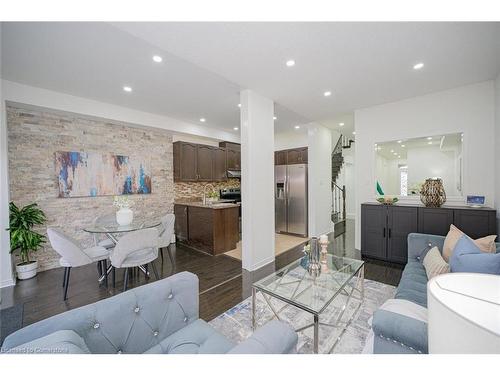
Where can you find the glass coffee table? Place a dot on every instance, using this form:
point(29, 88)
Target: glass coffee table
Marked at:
point(294, 286)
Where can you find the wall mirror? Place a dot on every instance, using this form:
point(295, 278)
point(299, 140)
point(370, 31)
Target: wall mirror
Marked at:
point(403, 165)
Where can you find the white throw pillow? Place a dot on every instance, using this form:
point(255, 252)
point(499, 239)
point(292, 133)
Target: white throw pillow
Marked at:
point(434, 263)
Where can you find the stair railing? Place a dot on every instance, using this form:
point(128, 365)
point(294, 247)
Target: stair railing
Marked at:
point(338, 203)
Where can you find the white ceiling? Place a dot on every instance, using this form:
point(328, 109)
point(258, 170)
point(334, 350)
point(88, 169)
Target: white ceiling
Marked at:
point(205, 65)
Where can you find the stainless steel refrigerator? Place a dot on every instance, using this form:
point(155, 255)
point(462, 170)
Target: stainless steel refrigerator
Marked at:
point(290, 197)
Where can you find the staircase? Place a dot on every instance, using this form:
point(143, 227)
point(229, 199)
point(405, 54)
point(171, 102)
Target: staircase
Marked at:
point(339, 192)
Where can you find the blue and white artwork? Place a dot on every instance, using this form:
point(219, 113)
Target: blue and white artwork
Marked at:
point(90, 174)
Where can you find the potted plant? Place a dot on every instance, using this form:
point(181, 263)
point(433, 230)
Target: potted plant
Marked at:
point(23, 238)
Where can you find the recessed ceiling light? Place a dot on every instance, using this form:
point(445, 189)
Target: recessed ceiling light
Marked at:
point(275, 118)
point(157, 59)
point(403, 145)
point(429, 143)
point(202, 119)
point(297, 127)
point(400, 141)
point(127, 88)
point(341, 124)
point(392, 150)
point(429, 138)
point(354, 133)
point(327, 93)
point(375, 145)
point(239, 105)
point(418, 66)
point(236, 128)
point(290, 63)
point(399, 157)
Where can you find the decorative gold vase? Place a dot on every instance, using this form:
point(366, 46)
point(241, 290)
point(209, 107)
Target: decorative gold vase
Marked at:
point(432, 193)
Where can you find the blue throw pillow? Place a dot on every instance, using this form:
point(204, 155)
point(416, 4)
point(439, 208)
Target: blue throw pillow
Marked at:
point(467, 257)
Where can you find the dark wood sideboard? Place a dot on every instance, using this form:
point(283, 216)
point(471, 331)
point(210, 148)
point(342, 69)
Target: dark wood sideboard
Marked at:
point(384, 229)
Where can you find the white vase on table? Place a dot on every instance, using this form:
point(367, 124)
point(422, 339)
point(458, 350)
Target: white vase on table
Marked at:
point(124, 216)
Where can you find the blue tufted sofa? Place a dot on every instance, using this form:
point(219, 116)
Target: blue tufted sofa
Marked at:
point(398, 333)
point(161, 317)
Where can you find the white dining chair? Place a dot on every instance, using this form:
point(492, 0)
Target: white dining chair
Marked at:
point(74, 255)
point(136, 249)
point(166, 232)
point(104, 220)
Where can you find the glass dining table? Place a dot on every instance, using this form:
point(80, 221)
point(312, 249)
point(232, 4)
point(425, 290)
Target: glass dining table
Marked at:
point(112, 230)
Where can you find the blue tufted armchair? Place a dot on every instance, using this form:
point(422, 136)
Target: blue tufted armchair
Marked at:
point(161, 317)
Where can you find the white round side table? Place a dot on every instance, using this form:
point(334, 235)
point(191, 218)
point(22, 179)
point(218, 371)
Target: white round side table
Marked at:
point(464, 313)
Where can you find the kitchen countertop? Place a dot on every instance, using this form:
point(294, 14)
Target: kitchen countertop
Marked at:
point(215, 206)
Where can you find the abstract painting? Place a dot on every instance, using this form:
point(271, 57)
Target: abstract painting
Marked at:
point(90, 174)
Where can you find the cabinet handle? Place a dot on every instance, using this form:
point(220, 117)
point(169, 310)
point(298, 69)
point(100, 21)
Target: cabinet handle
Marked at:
point(389, 232)
point(384, 232)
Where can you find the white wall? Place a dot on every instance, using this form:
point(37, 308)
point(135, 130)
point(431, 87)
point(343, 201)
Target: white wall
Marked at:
point(29, 95)
point(6, 277)
point(497, 148)
point(468, 109)
point(290, 139)
point(319, 179)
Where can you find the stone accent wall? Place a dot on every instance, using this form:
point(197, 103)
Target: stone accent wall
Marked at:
point(33, 138)
point(193, 191)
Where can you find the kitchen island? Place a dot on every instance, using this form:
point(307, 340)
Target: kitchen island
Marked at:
point(212, 228)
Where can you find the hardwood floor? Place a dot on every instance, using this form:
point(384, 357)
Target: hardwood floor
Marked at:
point(223, 283)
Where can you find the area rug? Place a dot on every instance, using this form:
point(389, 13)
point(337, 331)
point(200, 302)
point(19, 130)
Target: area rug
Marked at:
point(235, 323)
point(11, 320)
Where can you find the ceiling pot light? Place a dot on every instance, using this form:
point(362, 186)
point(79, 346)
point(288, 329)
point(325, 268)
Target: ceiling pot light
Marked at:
point(275, 118)
point(297, 127)
point(290, 63)
point(157, 59)
point(403, 145)
point(202, 119)
point(400, 141)
point(327, 93)
point(353, 133)
point(429, 143)
point(236, 128)
point(127, 88)
point(418, 66)
point(429, 138)
point(341, 124)
point(239, 105)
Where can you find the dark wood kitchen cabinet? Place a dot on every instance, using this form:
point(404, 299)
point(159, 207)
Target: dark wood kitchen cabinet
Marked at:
point(185, 157)
point(205, 228)
point(205, 162)
point(297, 156)
point(220, 168)
point(233, 155)
point(197, 162)
point(181, 222)
point(280, 157)
point(385, 229)
point(291, 156)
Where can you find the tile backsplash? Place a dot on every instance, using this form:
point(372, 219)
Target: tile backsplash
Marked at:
point(193, 191)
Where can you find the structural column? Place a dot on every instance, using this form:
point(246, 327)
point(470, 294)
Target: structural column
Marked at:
point(6, 275)
point(257, 180)
point(319, 179)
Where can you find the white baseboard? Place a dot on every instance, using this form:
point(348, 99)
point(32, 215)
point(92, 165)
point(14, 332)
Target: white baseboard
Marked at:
point(260, 264)
point(7, 282)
